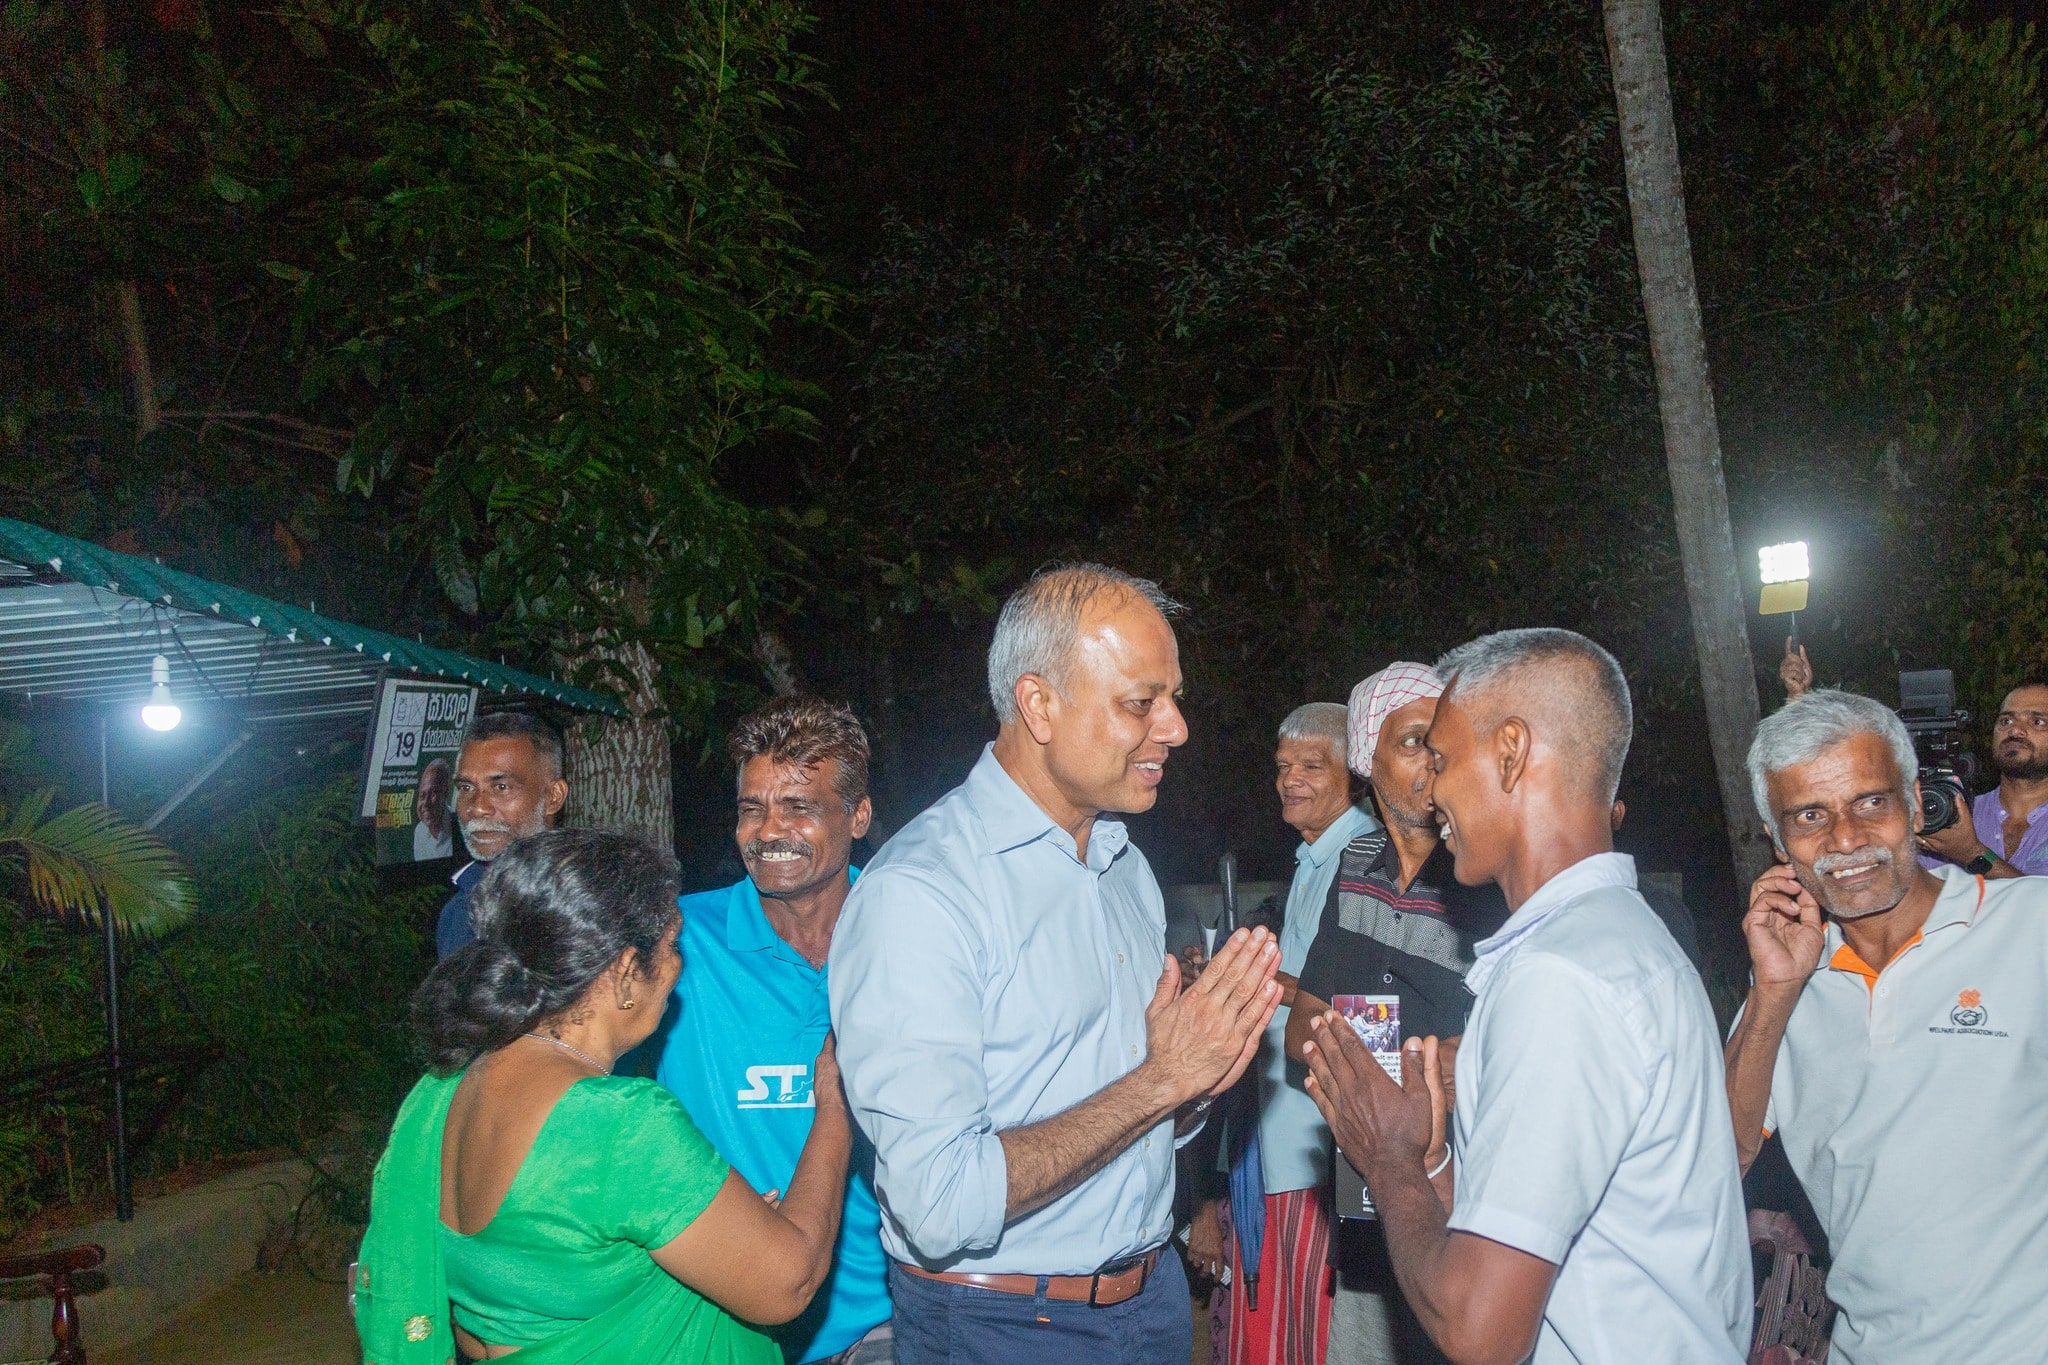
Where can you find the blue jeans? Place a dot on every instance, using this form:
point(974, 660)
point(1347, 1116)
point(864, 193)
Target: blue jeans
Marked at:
point(955, 1324)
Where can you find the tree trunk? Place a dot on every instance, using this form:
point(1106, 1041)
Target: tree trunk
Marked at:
point(1685, 399)
point(135, 346)
point(127, 298)
point(620, 770)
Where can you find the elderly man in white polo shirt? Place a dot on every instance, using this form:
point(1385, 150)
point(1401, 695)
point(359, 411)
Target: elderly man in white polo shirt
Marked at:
point(1894, 1038)
point(1595, 1214)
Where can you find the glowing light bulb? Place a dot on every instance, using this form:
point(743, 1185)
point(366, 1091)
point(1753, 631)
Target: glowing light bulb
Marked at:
point(161, 713)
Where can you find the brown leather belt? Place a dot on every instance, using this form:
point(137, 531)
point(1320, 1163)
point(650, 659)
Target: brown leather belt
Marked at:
point(1113, 1284)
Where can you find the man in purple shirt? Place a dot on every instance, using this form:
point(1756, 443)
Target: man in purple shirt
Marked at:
point(2004, 832)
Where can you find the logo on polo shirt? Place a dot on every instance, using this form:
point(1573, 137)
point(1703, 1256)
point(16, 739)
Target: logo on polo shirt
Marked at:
point(1969, 1016)
point(778, 1087)
point(1969, 1011)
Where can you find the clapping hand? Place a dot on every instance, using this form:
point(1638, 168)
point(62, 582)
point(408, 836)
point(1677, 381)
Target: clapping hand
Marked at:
point(1204, 1036)
point(1374, 1120)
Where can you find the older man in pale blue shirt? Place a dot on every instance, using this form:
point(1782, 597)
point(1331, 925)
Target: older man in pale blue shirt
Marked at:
point(1315, 798)
point(1280, 1306)
point(983, 886)
point(1013, 1038)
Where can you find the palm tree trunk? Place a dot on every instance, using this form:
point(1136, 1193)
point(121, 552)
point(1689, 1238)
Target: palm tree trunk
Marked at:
point(1685, 399)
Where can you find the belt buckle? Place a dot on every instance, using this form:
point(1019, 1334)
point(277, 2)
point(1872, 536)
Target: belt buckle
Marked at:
point(1095, 1281)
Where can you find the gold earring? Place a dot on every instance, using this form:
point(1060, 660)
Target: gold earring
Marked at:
point(630, 1004)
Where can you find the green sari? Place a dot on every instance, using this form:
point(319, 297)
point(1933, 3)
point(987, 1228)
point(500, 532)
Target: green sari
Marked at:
point(403, 1314)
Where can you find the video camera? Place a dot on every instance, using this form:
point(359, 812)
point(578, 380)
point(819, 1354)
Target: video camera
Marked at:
point(1927, 703)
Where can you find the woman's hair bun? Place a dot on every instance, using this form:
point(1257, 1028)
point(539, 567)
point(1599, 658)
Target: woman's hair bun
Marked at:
point(552, 915)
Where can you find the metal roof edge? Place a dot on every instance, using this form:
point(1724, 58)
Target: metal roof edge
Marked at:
point(95, 565)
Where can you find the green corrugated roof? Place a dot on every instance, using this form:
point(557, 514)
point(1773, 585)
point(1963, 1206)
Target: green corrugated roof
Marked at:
point(148, 581)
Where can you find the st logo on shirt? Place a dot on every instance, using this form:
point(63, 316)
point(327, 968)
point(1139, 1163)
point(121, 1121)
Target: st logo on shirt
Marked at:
point(786, 1086)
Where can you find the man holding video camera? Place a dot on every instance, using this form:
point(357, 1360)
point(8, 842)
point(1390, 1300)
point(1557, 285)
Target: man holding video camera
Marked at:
point(2004, 832)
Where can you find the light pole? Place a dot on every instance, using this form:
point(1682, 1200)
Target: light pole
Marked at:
point(124, 1189)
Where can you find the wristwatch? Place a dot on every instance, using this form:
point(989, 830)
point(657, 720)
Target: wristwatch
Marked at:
point(1982, 863)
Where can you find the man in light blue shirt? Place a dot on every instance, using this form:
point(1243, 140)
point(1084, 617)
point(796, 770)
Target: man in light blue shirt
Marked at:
point(1292, 1315)
point(1315, 798)
point(1013, 1037)
point(752, 1007)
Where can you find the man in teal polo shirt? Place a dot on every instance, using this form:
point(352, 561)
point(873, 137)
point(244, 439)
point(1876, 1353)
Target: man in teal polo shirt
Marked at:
point(751, 1009)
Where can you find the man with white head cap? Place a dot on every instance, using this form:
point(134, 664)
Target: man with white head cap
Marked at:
point(1396, 922)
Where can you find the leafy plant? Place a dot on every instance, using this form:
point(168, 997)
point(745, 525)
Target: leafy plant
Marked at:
point(89, 860)
point(558, 262)
point(295, 980)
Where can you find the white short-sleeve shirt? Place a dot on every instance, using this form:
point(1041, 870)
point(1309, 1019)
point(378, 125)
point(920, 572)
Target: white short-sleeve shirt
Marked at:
point(1913, 1103)
point(1592, 1127)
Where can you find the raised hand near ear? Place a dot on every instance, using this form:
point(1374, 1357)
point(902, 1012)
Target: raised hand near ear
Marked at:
point(1784, 930)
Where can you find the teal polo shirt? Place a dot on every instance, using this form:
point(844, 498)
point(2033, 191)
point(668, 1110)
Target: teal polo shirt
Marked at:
point(750, 1016)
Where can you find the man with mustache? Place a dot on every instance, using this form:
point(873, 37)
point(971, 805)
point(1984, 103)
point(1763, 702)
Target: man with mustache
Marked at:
point(1589, 1211)
point(1013, 1036)
point(508, 784)
point(752, 1001)
point(2015, 812)
point(1892, 1038)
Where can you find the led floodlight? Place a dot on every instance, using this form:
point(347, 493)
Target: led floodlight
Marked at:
point(1784, 571)
point(1783, 563)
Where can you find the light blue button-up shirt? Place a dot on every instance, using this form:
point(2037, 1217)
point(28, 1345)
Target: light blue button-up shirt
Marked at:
point(1294, 1142)
point(982, 978)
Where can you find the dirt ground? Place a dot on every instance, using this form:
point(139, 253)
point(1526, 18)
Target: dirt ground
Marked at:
point(281, 1318)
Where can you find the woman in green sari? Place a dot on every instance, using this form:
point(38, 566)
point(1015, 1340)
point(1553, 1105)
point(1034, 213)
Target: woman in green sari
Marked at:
point(529, 1201)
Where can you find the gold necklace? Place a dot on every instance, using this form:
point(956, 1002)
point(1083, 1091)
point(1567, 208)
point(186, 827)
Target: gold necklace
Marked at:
point(578, 1053)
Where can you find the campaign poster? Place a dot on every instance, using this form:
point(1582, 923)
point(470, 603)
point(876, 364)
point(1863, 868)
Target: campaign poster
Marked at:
point(1376, 1019)
point(409, 781)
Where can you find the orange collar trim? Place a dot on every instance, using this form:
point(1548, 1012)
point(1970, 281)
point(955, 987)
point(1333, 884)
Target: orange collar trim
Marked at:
point(1847, 960)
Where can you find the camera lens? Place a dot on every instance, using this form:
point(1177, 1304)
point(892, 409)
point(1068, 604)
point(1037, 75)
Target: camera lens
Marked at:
point(1941, 800)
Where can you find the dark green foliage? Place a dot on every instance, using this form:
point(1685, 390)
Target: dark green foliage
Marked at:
point(1876, 224)
point(295, 973)
point(212, 116)
point(556, 266)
